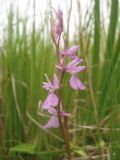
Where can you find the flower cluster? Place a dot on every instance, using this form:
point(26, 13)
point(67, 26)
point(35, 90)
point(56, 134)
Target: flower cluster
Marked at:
point(73, 67)
point(52, 101)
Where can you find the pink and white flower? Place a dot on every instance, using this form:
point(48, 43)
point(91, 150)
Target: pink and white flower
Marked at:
point(73, 67)
point(52, 99)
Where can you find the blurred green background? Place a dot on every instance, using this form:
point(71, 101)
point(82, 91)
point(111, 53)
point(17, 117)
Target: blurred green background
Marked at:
point(25, 57)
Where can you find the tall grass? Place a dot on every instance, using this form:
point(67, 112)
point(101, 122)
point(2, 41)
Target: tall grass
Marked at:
point(26, 56)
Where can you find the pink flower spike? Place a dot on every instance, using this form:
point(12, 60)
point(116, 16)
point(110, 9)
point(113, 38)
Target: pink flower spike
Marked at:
point(52, 123)
point(51, 101)
point(75, 83)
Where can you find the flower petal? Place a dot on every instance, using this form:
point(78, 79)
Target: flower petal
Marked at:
point(74, 57)
point(70, 52)
point(52, 110)
point(50, 101)
point(56, 82)
point(53, 100)
point(51, 86)
point(75, 83)
point(73, 63)
point(81, 85)
point(75, 70)
point(46, 104)
point(52, 123)
point(48, 85)
point(73, 49)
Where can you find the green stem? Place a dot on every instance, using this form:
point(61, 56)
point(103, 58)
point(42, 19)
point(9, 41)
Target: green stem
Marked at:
point(63, 124)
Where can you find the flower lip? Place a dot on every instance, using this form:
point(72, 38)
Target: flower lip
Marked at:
point(75, 83)
point(51, 101)
point(52, 123)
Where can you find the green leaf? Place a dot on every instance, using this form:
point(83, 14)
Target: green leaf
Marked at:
point(96, 47)
point(23, 148)
point(76, 149)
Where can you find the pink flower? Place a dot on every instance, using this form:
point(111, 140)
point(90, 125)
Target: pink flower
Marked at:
point(72, 53)
point(73, 67)
point(52, 99)
point(75, 83)
point(53, 122)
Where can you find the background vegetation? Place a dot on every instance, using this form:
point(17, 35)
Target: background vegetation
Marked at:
point(95, 122)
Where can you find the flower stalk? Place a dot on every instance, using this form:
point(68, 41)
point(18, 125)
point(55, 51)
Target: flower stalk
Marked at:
point(63, 124)
point(53, 102)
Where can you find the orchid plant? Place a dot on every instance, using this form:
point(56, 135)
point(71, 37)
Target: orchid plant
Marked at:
point(53, 102)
